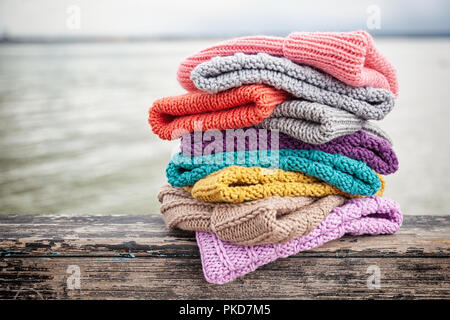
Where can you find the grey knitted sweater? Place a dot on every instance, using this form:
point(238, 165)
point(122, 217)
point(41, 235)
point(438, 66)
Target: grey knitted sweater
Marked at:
point(223, 73)
point(316, 123)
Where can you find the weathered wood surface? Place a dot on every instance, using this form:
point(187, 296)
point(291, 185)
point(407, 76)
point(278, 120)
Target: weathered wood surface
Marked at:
point(36, 252)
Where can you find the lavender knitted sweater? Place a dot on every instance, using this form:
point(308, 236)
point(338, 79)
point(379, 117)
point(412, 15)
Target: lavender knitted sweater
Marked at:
point(223, 261)
point(375, 152)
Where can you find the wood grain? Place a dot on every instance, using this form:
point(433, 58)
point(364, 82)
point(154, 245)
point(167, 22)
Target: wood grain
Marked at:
point(35, 252)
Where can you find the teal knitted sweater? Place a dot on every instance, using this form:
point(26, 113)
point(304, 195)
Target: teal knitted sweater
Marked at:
point(347, 174)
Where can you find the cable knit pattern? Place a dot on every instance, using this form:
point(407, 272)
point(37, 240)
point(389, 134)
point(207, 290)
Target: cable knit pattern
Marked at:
point(224, 261)
point(316, 123)
point(373, 151)
point(350, 176)
point(223, 73)
point(348, 56)
point(237, 184)
point(270, 220)
point(172, 117)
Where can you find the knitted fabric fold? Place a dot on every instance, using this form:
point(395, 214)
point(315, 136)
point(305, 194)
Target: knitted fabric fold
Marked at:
point(373, 151)
point(223, 73)
point(172, 117)
point(224, 261)
point(348, 56)
point(350, 176)
point(316, 123)
point(270, 220)
point(238, 184)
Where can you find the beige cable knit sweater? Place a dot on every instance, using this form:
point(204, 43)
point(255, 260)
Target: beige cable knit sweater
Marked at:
point(268, 220)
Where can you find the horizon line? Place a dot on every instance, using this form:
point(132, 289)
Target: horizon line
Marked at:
point(177, 37)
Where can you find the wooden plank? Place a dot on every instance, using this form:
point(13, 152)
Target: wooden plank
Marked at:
point(172, 278)
point(37, 251)
point(147, 236)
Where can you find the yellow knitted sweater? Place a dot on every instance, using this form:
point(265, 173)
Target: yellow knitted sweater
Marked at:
point(237, 184)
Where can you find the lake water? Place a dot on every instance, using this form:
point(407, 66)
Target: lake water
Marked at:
point(74, 136)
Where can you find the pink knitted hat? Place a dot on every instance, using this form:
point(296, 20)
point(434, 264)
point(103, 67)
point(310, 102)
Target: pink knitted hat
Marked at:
point(223, 261)
point(348, 56)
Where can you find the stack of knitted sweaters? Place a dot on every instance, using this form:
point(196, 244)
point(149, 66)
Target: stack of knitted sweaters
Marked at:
point(278, 153)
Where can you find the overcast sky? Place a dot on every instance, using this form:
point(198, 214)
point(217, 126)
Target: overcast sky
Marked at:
point(50, 18)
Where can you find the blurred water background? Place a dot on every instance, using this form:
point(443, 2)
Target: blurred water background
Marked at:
point(77, 78)
point(74, 136)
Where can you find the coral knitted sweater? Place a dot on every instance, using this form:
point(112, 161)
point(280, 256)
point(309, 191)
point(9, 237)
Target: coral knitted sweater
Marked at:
point(172, 117)
point(348, 56)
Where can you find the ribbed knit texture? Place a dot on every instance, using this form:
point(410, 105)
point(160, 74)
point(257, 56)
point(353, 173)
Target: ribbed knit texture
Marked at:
point(223, 73)
point(224, 261)
point(350, 176)
point(373, 151)
point(270, 220)
point(316, 123)
point(172, 117)
point(237, 184)
point(349, 56)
